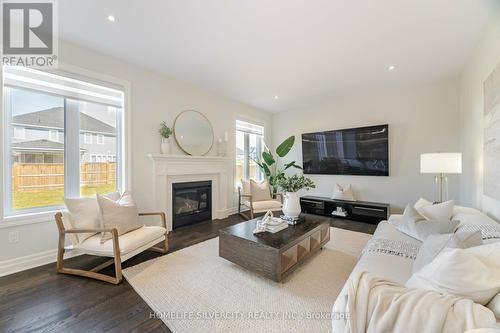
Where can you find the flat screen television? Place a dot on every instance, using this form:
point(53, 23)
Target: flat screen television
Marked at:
point(360, 151)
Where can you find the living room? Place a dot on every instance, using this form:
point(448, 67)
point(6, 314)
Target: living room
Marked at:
point(179, 127)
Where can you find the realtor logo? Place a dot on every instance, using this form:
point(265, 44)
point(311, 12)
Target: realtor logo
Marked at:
point(28, 33)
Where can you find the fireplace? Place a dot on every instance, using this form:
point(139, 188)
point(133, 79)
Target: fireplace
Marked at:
point(191, 203)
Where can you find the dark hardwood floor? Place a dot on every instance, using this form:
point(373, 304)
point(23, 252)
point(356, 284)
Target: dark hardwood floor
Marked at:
point(39, 300)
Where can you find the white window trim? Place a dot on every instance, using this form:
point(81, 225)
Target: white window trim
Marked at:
point(54, 135)
point(253, 122)
point(125, 178)
point(100, 139)
point(87, 138)
point(19, 129)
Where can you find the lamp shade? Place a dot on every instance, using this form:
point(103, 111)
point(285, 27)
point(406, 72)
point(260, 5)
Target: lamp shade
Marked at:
point(441, 163)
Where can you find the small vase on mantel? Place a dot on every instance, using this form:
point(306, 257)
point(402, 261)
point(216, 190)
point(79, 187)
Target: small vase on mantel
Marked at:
point(291, 206)
point(165, 146)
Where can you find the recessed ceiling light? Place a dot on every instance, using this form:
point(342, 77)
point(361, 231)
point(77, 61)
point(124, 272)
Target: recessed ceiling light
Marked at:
point(276, 97)
point(111, 18)
point(391, 67)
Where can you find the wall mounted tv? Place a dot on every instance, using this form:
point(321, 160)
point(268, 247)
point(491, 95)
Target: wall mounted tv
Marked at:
point(355, 151)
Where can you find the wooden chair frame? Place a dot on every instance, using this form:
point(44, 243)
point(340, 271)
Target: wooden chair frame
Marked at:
point(116, 260)
point(249, 196)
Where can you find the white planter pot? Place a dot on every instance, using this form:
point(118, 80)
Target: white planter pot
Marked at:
point(291, 206)
point(165, 146)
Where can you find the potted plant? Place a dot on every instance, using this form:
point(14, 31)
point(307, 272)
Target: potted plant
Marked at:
point(165, 133)
point(291, 186)
point(269, 165)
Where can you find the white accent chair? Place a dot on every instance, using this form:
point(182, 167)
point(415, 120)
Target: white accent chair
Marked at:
point(119, 248)
point(248, 201)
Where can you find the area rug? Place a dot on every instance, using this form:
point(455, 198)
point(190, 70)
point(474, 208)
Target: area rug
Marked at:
point(194, 290)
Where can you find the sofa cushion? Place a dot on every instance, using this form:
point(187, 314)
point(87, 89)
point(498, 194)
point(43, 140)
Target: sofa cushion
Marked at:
point(128, 242)
point(471, 273)
point(435, 244)
point(386, 265)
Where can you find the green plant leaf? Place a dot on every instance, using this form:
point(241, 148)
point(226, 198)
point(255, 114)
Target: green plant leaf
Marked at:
point(266, 170)
point(285, 146)
point(268, 158)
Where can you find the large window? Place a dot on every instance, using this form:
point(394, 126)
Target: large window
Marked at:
point(249, 146)
point(49, 121)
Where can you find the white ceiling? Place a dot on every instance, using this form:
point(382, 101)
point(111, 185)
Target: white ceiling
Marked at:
point(300, 50)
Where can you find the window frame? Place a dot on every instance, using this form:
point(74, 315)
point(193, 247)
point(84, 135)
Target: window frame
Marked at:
point(87, 138)
point(56, 132)
point(21, 129)
point(246, 138)
point(100, 139)
point(9, 217)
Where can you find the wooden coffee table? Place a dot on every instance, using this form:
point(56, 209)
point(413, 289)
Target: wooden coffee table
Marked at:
point(273, 255)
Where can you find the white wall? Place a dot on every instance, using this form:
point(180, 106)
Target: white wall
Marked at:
point(485, 58)
point(421, 119)
point(154, 98)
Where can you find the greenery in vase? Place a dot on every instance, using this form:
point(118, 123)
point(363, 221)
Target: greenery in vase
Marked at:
point(165, 131)
point(295, 183)
point(269, 166)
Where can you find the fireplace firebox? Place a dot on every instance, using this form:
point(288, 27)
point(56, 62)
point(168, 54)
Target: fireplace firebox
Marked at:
point(191, 203)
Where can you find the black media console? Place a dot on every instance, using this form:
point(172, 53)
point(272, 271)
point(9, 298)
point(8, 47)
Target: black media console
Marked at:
point(362, 211)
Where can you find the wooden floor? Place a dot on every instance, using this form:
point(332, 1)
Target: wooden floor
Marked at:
point(39, 300)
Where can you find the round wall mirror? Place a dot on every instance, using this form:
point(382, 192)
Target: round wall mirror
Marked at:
point(193, 133)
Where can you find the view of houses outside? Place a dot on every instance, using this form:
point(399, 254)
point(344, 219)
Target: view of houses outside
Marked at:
point(248, 149)
point(37, 148)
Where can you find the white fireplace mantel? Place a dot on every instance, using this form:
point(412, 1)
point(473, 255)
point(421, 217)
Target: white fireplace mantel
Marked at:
point(170, 169)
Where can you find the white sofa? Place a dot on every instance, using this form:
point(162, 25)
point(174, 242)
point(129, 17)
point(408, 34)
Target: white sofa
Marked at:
point(394, 267)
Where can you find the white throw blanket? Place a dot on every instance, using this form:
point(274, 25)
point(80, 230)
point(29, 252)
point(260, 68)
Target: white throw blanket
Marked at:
point(374, 304)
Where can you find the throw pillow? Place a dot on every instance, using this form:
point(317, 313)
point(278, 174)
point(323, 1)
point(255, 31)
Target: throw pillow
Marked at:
point(441, 211)
point(470, 273)
point(435, 244)
point(421, 203)
point(245, 187)
point(414, 225)
point(343, 193)
point(260, 191)
point(85, 213)
point(121, 214)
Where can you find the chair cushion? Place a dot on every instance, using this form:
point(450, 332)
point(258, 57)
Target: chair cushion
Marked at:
point(264, 205)
point(128, 242)
point(260, 191)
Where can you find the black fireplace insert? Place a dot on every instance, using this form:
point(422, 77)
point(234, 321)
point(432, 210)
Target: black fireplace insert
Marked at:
point(191, 203)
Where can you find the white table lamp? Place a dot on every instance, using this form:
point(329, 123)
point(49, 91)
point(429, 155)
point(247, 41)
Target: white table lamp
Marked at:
point(441, 164)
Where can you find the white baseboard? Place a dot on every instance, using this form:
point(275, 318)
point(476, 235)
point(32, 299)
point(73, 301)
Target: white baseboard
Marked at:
point(232, 210)
point(15, 265)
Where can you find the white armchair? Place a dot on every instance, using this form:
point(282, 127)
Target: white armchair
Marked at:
point(252, 197)
point(119, 248)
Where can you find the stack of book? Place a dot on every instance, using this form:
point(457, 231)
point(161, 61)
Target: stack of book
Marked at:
point(292, 219)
